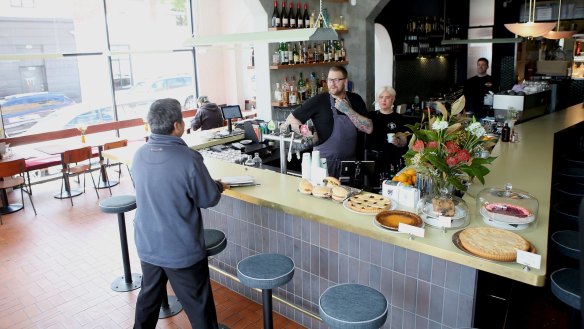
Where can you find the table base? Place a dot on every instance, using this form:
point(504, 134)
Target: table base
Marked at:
point(107, 184)
point(66, 195)
point(174, 307)
point(9, 209)
point(120, 284)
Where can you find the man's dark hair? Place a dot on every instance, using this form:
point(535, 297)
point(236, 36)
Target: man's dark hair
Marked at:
point(163, 114)
point(482, 59)
point(341, 69)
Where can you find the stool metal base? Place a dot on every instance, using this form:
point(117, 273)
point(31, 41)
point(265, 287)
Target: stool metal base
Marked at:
point(173, 308)
point(107, 184)
point(68, 194)
point(120, 284)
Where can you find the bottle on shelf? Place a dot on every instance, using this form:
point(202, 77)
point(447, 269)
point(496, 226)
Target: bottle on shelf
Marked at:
point(291, 16)
point(276, 16)
point(301, 89)
point(252, 57)
point(313, 19)
point(313, 84)
point(257, 161)
point(304, 56)
point(343, 56)
point(296, 55)
point(285, 92)
point(323, 86)
point(278, 94)
point(293, 95)
point(276, 58)
point(284, 16)
point(290, 54)
point(330, 51)
point(299, 18)
point(318, 55)
point(306, 17)
point(283, 53)
point(310, 55)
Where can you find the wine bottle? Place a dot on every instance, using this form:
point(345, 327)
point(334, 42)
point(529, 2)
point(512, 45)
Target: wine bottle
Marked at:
point(296, 55)
point(325, 52)
point(290, 54)
point(284, 15)
point(306, 16)
point(301, 89)
point(291, 16)
point(299, 18)
point(276, 16)
point(283, 53)
point(343, 56)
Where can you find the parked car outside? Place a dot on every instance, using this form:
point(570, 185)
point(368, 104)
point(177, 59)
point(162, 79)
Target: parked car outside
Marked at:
point(22, 111)
point(144, 93)
point(71, 117)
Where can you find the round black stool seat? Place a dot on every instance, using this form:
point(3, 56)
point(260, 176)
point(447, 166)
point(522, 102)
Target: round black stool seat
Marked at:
point(571, 173)
point(565, 285)
point(215, 241)
point(566, 210)
point(265, 271)
point(353, 306)
point(118, 204)
point(567, 242)
point(571, 190)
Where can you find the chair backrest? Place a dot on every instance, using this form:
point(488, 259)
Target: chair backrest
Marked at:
point(12, 167)
point(76, 155)
point(115, 145)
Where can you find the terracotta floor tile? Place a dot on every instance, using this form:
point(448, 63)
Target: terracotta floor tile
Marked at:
point(57, 268)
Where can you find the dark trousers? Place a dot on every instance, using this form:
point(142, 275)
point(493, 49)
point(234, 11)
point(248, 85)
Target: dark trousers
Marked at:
point(192, 287)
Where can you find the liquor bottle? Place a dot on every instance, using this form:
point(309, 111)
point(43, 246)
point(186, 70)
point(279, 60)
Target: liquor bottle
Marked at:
point(285, 92)
point(337, 51)
point(312, 19)
point(343, 53)
point(257, 161)
point(284, 15)
point(313, 84)
point(296, 55)
point(323, 85)
point(301, 89)
point(276, 16)
point(330, 51)
point(505, 133)
point(299, 18)
point(325, 53)
point(293, 95)
point(291, 16)
point(290, 54)
point(276, 58)
point(252, 57)
point(304, 57)
point(310, 54)
point(283, 53)
point(306, 17)
point(278, 94)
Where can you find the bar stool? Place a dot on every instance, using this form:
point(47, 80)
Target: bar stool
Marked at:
point(215, 242)
point(119, 204)
point(567, 242)
point(353, 306)
point(266, 272)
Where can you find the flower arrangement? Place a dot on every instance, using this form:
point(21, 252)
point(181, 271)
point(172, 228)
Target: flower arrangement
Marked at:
point(447, 149)
point(82, 129)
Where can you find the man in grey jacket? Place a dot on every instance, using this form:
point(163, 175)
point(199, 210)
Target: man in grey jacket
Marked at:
point(172, 184)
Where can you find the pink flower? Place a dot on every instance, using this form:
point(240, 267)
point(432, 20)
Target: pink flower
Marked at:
point(432, 145)
point(463, 156)
point(418, 146)
point(451, 161)
point(451, 147)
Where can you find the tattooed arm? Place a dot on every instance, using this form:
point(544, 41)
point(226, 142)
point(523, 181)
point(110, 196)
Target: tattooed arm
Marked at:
point(362, 123)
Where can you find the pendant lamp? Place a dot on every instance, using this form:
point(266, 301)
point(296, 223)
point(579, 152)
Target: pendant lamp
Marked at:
point(530, 29)
point(557, 34)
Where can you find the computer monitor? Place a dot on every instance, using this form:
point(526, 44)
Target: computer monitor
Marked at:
point(231, 112)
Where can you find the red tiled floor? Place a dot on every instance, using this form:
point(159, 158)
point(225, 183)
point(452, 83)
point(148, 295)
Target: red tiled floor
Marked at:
point(56, 268)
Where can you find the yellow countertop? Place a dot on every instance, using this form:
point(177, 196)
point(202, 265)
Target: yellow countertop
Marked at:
point(527, 165)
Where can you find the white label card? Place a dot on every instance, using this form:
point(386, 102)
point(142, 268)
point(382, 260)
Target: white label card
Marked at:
point(445, 221)
point(413, 230)
point(529, 259)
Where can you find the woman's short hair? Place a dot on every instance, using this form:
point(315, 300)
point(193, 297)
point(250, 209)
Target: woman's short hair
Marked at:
point(202, 100)
point(384, 89)
point(163, 114)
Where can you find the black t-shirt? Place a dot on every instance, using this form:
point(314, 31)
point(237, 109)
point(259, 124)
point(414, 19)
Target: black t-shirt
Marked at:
point(318, 108)
point(475, 90)
point(384, 124)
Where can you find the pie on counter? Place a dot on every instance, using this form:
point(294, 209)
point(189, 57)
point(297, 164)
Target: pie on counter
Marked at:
point(508, 213)
point(493, 243)
point(369, 203)
point(391, 219)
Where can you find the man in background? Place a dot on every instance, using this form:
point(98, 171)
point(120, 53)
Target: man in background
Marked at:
point(208, 115)
point(477, 87)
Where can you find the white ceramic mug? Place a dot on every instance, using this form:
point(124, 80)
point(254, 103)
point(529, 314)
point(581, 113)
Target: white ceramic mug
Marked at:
point(390, 137)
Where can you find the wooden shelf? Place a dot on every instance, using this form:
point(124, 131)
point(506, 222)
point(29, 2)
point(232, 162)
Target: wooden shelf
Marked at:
point(282, 67)
point(286, 28)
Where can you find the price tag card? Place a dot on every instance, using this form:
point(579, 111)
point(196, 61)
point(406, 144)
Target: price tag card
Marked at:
point(445, 221)
point(529, 259)
point(413, 230)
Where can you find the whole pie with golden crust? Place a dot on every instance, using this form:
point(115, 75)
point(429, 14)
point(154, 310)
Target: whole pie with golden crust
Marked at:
point(493, 243)
point(369, 203)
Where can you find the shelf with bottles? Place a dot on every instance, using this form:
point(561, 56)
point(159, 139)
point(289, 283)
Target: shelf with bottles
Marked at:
point(424, 35)
point(288, 28)
point(293, 66)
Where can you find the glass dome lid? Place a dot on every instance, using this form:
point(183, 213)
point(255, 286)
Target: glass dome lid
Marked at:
point(506, 207)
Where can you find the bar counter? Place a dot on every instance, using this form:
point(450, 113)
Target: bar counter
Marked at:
point(428, 281)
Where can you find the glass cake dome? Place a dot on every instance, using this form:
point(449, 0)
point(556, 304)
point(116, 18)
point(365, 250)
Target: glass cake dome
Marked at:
point(507, 208)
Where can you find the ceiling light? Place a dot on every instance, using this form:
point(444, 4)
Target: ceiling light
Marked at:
point(530, 29)
point(557, 34)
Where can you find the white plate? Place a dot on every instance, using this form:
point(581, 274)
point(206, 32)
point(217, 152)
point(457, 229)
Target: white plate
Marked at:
point(245, 141)
point(346, 205)
point(505, 226)
point(429, 211)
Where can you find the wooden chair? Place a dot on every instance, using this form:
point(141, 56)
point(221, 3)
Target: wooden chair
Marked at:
point(76, 162)
point(105, 163)
point(12, 173)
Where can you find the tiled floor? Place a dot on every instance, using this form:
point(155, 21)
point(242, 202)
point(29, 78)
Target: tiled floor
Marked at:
point(56, 268)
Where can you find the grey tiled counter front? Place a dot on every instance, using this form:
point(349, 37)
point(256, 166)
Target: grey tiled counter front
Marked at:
point(423, 291)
